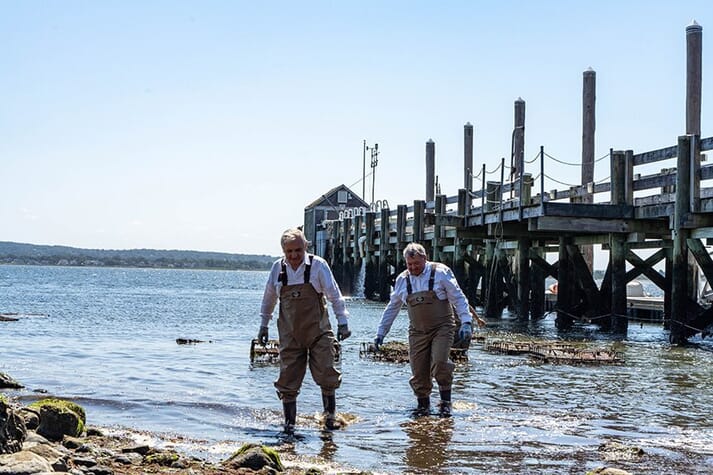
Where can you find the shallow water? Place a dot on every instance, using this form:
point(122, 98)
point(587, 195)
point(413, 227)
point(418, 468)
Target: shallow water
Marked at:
point(108, 342)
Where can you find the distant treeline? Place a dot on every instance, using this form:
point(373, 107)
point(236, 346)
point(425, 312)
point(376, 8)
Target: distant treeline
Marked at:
point(31, 254)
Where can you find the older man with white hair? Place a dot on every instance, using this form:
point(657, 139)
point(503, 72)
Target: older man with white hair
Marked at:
point(303, 283)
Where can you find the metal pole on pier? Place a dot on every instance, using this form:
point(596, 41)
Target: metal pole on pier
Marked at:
point(374, 163)
point(363, 172)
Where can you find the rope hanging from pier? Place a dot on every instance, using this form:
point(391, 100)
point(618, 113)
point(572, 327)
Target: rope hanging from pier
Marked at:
point(560, 182)
point(534, 159)
point(610, 315)
point(496, 169)
point(685, 325)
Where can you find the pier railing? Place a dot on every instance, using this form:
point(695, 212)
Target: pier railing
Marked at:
point(498, 202)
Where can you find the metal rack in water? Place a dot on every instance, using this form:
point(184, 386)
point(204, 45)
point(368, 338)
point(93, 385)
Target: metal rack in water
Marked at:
point(270, 352)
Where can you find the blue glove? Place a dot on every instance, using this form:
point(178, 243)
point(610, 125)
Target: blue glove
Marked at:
point(378, 341)
point(262, 336)
point(343, 332)
point(466, 331)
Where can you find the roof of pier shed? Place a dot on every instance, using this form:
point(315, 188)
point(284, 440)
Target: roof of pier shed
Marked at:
point(331, 199)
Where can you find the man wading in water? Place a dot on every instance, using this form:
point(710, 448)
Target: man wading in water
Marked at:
point(303, 283)
point(431, 292)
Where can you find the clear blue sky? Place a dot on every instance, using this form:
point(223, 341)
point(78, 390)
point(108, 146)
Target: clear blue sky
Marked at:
point(210, 125)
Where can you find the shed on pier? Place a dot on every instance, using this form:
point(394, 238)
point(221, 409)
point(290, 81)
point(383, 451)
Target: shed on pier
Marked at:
point(328, 207)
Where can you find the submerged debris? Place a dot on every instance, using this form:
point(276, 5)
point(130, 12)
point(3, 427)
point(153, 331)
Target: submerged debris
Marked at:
point(14, 316)
point(190, 341)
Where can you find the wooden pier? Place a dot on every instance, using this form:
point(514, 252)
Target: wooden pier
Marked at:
point(497, 234)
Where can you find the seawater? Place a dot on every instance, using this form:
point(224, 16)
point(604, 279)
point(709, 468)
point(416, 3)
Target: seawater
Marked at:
point(108, 341)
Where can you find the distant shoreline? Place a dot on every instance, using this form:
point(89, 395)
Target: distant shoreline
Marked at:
point(12, 253)
point(107, 266)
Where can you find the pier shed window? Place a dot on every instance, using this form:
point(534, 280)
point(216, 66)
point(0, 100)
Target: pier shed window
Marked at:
point(342, 197)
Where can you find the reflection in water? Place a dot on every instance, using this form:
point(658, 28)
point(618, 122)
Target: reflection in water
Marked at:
point(428, 442)
point(329, 448)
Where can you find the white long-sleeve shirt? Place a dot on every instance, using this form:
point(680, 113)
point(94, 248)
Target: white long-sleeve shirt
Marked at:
point(320, 277)
point(444, 284)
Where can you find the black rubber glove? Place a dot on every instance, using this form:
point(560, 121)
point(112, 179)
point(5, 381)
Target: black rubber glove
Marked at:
point(466, 331)
point(343, 332)
point(262, 336)
point(378, 341)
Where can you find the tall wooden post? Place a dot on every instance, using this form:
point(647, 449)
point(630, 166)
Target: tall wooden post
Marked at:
point(589, 97)
point(537, 284)
point(694, 54)
point(629, 177)
point(617, 252)
point(430, 170)
point(347, 267)
point(694, 75)
point(492, 196)
point(437, 243)
point(565, 286)
point(356, 251)
point(463, 206)
point(668, 291)
point(370, 277)
point(419, 208)
point(401, 213)
point(619, 320)
point(384, 274)
point(523, 284)
point(336, 254)
point(681, 271)
point(518, 143)
point(490, 285)
point(468, 156)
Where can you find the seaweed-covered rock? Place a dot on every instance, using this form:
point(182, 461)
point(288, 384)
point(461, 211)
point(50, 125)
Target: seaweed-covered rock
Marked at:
point(166, 458)
point(255, 457)
point(59, 418)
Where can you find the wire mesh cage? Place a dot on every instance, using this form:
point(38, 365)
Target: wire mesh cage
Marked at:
point(397, 352)
point(270, 352)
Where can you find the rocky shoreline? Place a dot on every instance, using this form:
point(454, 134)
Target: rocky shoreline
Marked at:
point(50, 436)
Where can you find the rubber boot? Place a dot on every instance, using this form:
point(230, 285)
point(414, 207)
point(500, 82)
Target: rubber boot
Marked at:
point(424, 407)
point(445, 407)
point(330, 411)
point(290, 410)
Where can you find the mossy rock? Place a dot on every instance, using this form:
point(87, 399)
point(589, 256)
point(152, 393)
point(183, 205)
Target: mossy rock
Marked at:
point(255, 457)
point(62, 404)
point(59, 417)
point(165, 459)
